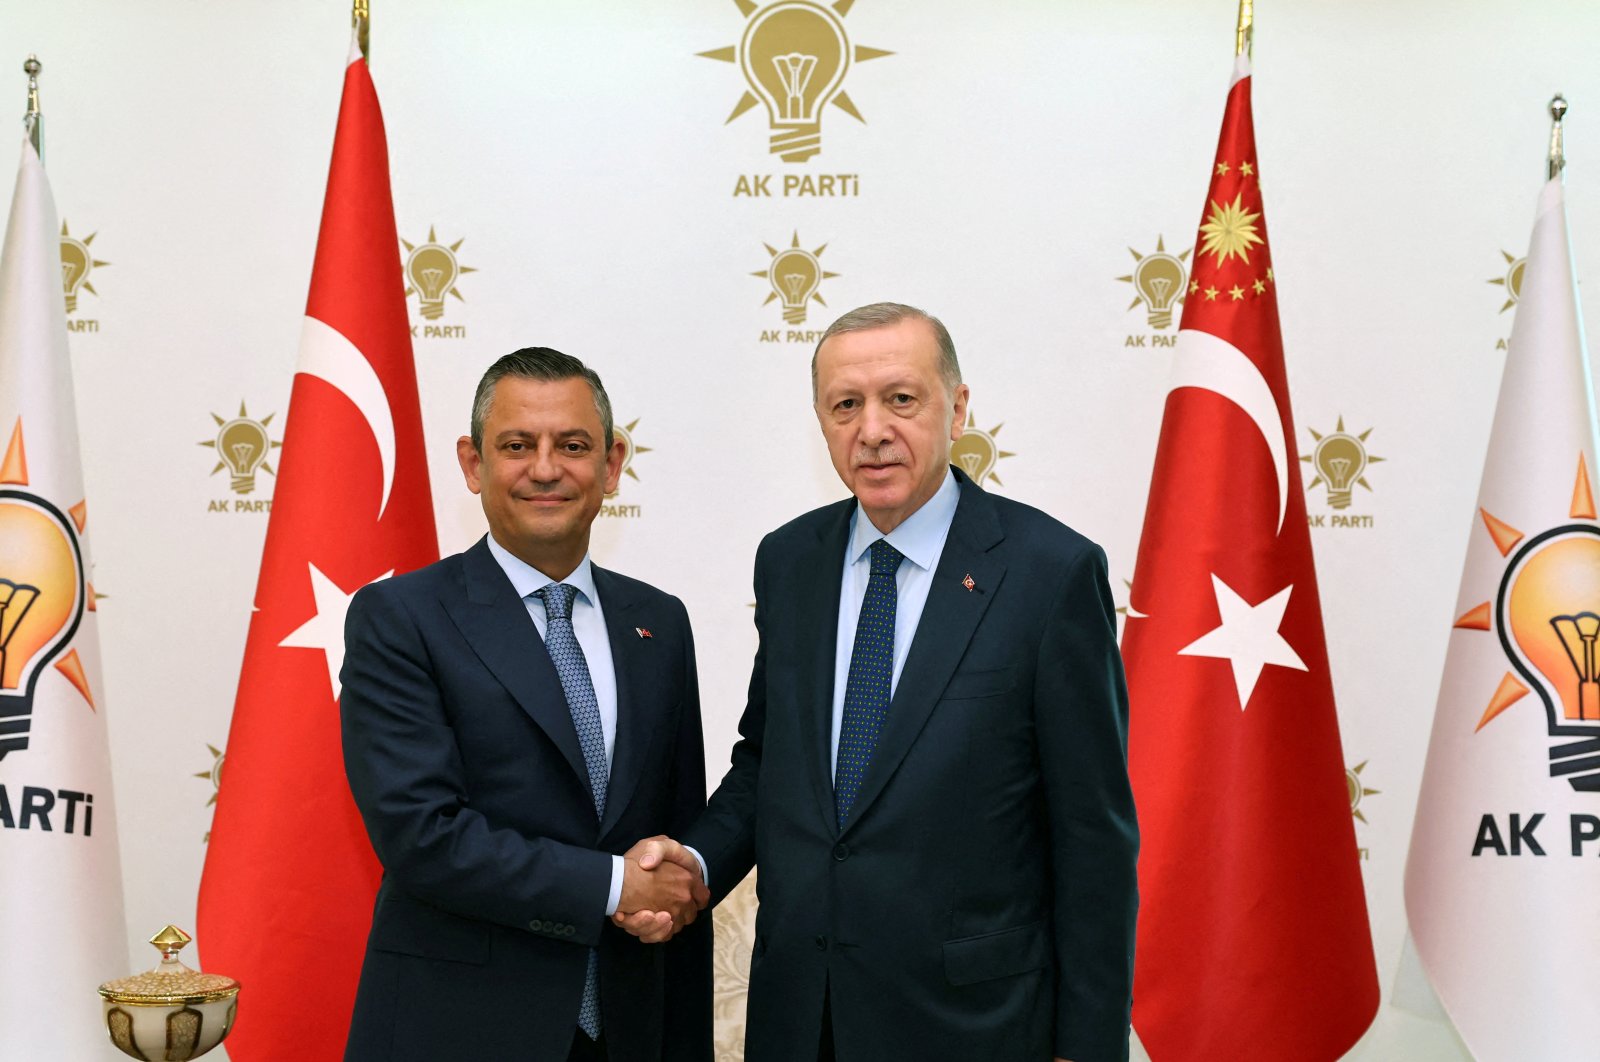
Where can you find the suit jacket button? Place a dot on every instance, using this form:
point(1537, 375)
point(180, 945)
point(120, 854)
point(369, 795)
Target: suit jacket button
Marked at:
point(536, 925)
point(841, 851)
point(822, 943)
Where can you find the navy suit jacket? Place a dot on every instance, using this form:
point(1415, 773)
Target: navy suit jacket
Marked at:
point(465, 763)
point(980, 902)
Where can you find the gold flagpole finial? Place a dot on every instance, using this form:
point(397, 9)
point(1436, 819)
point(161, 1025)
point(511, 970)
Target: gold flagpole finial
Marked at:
point(33, 120)
point(1247, 18)
point(1558, 153)
point(361, 19)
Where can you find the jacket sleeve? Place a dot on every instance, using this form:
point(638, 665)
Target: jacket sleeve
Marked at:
point(406, 775)
point(687, 1030)
point(725, 835)
point(1081, 706)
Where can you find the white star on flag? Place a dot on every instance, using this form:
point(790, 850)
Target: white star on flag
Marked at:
point(1248, 637)
point(325, 630)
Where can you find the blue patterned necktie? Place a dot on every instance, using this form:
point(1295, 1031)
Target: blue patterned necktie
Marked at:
point(562, 643)
point(866, 690)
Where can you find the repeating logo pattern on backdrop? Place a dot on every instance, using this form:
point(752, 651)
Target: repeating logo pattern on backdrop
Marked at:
point(242, 445)
point(1160, 284)
point(1511, 281)
point(1546, 615)
point(213, 774)
point(976, 453)
point(631, 449)
point(794, 274)
point(1340, 461)
point(795, 57)
point(44, 593)
point(431, 271)
point(78, 263)
point(1358, 791)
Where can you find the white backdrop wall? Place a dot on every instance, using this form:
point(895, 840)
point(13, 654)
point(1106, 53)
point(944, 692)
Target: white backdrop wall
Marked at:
point(1012, 154)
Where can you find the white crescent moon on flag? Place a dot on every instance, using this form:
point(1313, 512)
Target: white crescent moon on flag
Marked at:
point(1215, 365)
point(326, 354)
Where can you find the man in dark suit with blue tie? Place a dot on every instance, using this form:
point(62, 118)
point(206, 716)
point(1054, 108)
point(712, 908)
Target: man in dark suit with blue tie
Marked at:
point(515, 718)
point(931, 777)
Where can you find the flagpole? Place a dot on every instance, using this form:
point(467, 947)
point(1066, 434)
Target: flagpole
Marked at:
point(361, 19)
point(33, 120)
point(1242, 36)
point(1557, 159)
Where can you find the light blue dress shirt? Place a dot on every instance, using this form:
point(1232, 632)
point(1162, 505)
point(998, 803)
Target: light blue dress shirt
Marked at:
point(920, 538)
point(589, 624)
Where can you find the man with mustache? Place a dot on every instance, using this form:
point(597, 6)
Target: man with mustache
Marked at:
point(514, 718)
point(931, 777)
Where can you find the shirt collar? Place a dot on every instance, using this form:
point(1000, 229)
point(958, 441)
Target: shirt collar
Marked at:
point(525, 578)
point(920, 536)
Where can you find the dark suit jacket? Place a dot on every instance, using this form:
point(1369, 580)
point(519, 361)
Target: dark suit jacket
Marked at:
point(980, 903)
point(465, 763)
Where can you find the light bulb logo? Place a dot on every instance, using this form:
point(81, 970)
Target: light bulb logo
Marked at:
point(1159, 281)
point(1341, 461)
point(1512, 280)
point(976, 452)
point(77, 262)
point(794, 55)
point(1548, 619)
point(794, 276)
point(1357, 790)
point(624, 433)
point(1546, 614)
point(432, 270)
point(42, 595)
point(242, 445)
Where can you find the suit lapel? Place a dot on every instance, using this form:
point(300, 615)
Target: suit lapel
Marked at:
point(639, 709)
point(949, 618)
point(495, 622)
point(820, 573)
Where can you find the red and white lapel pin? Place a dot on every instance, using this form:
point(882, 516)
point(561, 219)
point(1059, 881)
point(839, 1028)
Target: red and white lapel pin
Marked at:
point(968, 583)
point(644, 632)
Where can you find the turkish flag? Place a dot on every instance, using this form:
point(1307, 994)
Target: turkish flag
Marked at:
point(286, 898)
point(1253, 937)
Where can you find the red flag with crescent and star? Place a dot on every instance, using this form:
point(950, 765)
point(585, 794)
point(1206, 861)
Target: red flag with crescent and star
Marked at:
point(1253, 936)
point(286, 897)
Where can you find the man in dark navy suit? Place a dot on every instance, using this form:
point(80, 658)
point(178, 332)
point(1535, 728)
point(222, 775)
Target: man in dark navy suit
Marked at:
point(931, 777)
point(515, 719)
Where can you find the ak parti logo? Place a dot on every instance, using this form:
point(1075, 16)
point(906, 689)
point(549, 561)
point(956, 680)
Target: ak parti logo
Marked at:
point(43, 594)
point(795, 56)
point(1546, 615)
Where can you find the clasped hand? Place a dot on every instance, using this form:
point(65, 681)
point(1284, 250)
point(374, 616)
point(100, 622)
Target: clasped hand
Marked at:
point(661, 890)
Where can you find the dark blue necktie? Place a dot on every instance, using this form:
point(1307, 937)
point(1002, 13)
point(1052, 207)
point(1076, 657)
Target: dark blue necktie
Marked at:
point(866, 690)
point(561, 641)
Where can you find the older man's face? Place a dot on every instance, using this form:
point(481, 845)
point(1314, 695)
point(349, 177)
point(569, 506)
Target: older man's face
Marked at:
point(887, 417)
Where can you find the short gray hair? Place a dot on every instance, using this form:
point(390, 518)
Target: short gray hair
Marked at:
point(538, 363)
point(882, 315)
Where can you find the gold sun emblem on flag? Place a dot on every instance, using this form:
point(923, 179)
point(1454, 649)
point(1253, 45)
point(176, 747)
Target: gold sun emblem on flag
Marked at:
point(1230, 230)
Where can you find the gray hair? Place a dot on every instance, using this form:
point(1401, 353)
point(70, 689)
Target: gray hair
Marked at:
point(538, 363)
point(882, 315)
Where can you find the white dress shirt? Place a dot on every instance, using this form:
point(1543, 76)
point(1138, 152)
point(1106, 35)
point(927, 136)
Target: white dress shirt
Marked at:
point(920, 539)
point(589, 624)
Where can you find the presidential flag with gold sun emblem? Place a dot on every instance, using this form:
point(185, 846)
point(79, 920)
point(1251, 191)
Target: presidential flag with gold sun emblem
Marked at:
point(1253, 937)
point(1500, 883)
point(61, 918)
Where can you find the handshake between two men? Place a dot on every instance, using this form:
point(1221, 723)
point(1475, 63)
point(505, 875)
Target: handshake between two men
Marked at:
point(663, 890)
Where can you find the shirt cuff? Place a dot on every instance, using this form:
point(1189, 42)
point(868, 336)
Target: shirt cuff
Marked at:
point(705, 875)
point(615, 899)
